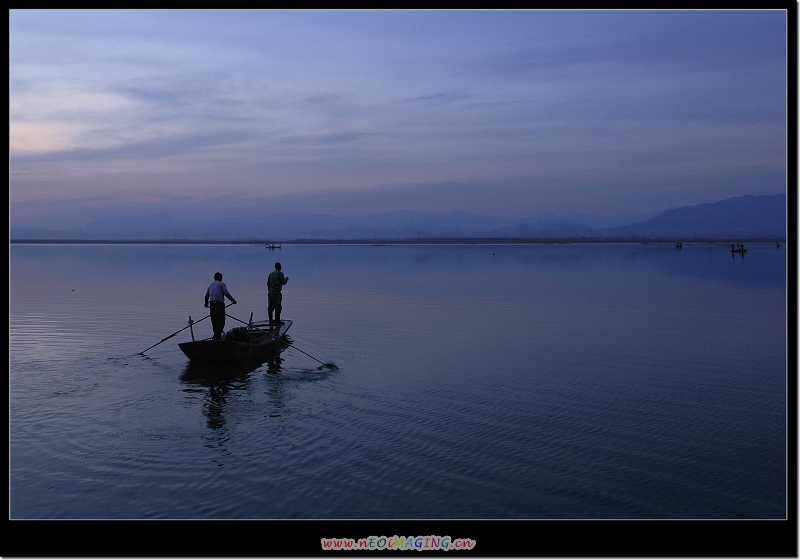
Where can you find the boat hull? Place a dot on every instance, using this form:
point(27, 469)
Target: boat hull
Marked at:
point(262, 345)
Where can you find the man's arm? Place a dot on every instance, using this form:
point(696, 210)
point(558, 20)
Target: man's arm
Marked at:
point(228, 294)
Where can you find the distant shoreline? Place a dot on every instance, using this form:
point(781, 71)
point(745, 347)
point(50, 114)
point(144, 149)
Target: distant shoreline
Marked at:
point(427, 241)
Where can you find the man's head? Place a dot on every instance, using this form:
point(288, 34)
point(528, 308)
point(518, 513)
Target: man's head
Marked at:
point(277, 266)
point(218, 276)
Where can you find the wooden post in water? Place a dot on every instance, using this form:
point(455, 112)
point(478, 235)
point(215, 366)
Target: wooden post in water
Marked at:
point(191, 330)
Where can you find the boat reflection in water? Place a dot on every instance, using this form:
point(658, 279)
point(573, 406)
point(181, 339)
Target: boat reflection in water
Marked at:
point(210, 374)
point(221, 387)
point(220, 383)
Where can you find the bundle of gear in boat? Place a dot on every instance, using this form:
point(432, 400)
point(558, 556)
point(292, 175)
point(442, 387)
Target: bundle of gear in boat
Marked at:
point(240, 334)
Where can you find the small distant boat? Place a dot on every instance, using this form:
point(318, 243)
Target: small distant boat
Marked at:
point(241, 345)
point(272, 246)
point(742, 250)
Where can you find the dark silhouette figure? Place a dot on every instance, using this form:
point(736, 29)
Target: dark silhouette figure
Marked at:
point(275, 283)
point(215, 295)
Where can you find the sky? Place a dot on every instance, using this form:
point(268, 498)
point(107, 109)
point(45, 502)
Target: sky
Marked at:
point(205, 114)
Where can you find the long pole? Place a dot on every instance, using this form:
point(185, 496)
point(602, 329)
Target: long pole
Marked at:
point(176, 332)
point(329, 365)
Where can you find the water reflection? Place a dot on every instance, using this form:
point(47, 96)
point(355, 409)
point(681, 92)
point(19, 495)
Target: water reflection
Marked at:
point(220, 381)
point(274, 365)
point(219, 384)
point(279, 387)
point(209, 374)
point(130, 269)
point(584, 368)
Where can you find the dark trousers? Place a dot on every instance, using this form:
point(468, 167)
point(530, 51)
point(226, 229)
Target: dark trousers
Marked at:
point(274, 304)
point(217, 318)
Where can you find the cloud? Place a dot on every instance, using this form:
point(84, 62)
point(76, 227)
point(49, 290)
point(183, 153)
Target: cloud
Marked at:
point(588, 108)
point(439, 98)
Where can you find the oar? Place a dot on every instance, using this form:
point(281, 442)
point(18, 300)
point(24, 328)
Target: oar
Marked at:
point(242, 322)
point(176, 332)
point(329, 365)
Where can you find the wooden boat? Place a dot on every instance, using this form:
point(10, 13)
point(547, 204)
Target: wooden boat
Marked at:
point(256, 342)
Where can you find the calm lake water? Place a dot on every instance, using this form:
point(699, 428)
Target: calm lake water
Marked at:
point(622, 381)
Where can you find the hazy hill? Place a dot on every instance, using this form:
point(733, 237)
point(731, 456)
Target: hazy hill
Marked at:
point(741, 218)
point(744, 217)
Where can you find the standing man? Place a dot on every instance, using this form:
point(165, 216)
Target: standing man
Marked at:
point(275, 282)
point(216, 293)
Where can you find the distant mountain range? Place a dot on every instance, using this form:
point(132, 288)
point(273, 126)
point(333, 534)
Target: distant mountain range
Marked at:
point(740, 218)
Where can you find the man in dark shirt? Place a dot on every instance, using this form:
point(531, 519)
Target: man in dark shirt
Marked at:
point(275, 283)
